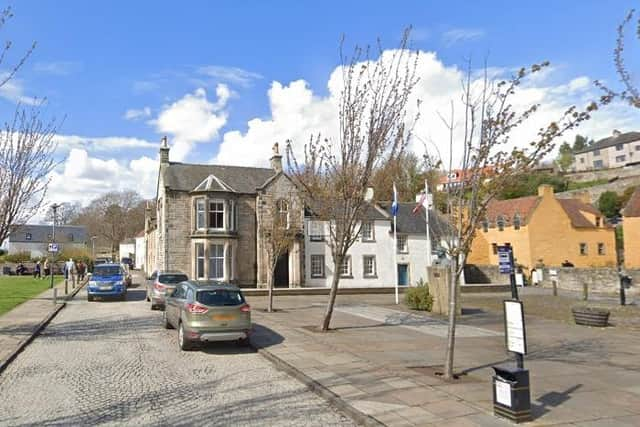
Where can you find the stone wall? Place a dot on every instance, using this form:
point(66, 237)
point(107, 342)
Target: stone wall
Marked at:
point(484, 274)
point(604, 174)
point(598, 280)
point(594, 192)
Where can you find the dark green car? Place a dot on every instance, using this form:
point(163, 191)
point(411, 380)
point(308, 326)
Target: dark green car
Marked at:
point(206, 312)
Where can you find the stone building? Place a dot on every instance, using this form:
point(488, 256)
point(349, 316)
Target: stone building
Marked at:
point(616, 151)
point(545, 230)
point(207, 219)
point(631, 229)
point(35, 239)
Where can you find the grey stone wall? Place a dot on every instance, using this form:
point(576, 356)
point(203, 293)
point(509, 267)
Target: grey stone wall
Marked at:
point(178, 231)
point(594, 192)
point(484, 274)
point(598, 280)
point(604, 174)
point(246, 254)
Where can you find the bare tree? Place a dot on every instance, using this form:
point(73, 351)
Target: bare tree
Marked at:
point(114, 217)
point(630, 92)
point(334, 175)
point(66, 213)
point(482, 149)
point(26, 160)
point(279, 228)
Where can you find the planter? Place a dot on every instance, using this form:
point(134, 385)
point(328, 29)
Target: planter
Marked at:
point(590, 316)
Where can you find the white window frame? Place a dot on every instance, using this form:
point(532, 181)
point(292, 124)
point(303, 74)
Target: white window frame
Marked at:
point(210, 211)
point(374, 272)
point(28, 236)
point(320, 263)
point(201, 202)
point(215, 257)
point(346, 262)
point(402, 244)
point(314, 228)
point(200, 272)
point(621, 158)
point(371, 235)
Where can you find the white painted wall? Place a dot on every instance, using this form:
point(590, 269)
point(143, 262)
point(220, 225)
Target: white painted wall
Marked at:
point(39, 249)
point(141, 252)
point(383, 248)
point(126, 249)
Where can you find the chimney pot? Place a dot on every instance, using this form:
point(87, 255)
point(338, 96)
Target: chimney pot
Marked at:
point(164, 151)
point(276, 159)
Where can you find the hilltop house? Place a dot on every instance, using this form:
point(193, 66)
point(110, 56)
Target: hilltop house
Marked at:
point(35, 239)
point(545, 229)
point(616, 151)
point(207, 221)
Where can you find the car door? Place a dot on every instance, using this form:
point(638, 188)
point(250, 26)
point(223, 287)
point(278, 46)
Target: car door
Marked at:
point(174, 304)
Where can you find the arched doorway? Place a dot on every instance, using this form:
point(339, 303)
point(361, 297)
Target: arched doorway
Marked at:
point(281, 275)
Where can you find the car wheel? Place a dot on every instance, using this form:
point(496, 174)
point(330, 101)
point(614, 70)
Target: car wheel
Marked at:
point(89, 297)
point(165, 321)
point(183, 341)
point(123, 297)
point(153, 306)
point(148, 299)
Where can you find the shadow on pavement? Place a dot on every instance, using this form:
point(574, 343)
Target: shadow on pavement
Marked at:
point(263, 337)
point(551, 399)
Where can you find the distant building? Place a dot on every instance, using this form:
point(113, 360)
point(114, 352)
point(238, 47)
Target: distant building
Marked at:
point(35, 239)
point(631, 228)
point(457, 177)
point(618, 150)
point(127, 249)
point(140, 250)
point(547, 229)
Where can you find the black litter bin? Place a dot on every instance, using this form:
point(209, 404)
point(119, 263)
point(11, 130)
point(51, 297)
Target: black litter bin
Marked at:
point(511, 394)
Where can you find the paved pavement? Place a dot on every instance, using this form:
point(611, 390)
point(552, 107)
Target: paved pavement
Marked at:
point(377, 359)
point(113, 363)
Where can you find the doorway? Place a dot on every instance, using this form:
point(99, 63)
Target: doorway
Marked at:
point(403, 275)
point(281, 275)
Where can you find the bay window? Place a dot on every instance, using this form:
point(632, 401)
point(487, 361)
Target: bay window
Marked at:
point(216, 214)
point(200, 214)
point(216, 262)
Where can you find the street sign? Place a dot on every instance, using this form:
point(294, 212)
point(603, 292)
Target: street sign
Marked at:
point(514, 324)
point(53, 247)
point(505, 259)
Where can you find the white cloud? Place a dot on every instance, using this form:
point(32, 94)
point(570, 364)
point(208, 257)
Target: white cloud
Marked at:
point(297, 114)
point(234, 75)
point(13, 90)
point(83, 177)
point(457, 35)
point(107, 143)
point(137, 114)
point(60, 68)
point(193, 119)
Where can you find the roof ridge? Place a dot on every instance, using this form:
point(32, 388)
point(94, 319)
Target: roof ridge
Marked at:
point(219, 165)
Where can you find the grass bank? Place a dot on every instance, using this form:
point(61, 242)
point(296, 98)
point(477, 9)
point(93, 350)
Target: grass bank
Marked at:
point(15, 290)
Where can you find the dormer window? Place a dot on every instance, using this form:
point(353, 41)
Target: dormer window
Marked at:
point(485, 225)
point(500, 223)
point(597, 221)
point(516, 222)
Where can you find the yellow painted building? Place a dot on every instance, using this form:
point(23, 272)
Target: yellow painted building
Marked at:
point(631, 228)
point(545, 229)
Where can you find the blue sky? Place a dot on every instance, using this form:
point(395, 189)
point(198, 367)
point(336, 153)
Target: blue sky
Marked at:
point(112, 68)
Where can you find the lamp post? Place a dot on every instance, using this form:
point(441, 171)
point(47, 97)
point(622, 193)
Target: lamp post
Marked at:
point(93, 246)
point(54, 207)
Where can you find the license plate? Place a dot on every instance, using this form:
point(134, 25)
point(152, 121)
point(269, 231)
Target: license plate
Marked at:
point(223, 317)
point(105, 288)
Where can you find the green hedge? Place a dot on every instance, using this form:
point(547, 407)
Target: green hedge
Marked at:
point(17, 257)
point(419, 298)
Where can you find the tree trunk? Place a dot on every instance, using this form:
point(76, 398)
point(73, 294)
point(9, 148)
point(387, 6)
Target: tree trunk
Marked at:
point(270, 289)
point(332, 296)
point(451, 333)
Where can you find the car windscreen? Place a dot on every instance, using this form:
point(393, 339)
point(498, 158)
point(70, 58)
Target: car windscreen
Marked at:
point(219, 297)
point(111, 270)
point(172, 279)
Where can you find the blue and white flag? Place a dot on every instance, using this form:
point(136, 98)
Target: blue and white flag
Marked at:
point(394, 205)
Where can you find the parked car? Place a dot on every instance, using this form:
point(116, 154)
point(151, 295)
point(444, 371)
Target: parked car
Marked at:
point(128, 262)
point(161, 282)
point(128, 280)
point(102, 261)
point(207, 311)
point(107, 280)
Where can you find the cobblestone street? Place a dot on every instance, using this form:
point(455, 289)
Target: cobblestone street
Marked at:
point(113, 363)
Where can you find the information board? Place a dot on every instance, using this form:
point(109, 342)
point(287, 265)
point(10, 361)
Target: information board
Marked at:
point(514, 327)
point(53, 247)
point(505, 259)
point(503, 393)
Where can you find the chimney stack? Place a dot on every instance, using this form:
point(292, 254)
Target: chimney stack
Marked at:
point(276, 159)
point(164, 151)
point(616, 133)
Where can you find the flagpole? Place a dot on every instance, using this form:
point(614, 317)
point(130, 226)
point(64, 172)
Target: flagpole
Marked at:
point(429, 247)
point(395, 254)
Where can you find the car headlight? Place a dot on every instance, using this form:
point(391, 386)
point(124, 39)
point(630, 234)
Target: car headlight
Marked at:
point(92, 283)
point(120, 283)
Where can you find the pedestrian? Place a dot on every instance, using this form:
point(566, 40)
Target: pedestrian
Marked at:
point(47, 268)
point(82, 268)
point(20, 269)
point(37, 273)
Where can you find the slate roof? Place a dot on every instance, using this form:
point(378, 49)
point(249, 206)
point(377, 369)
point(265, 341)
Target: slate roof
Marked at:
point(186, 177)
point(573, 207)
point(371, 213)
point(623, 138)
point(632, 208)
point(41, 233)
point(410, 223)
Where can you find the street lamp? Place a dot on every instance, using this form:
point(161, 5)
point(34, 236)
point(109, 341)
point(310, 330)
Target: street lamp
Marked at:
point(93, 246)
point(54, 207)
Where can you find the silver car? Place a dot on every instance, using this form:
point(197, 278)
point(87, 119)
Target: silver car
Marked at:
point(160, 283)
point(207, 311)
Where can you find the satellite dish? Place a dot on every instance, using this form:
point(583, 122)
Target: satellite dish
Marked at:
point(368, 195)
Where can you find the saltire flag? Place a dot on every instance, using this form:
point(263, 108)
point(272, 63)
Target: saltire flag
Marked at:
point(423, 197)
point(394, 205)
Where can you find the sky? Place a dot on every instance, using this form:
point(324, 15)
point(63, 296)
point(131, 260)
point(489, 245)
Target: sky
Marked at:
point(225, 80)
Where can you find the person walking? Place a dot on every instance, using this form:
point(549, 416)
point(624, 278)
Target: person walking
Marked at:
point(82, 268)
point(37, 272)
point(47, 268)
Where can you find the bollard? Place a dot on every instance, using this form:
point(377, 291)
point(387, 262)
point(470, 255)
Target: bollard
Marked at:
point(555, 288)
point(66, 284)
point(585, 291)
point(55, 296)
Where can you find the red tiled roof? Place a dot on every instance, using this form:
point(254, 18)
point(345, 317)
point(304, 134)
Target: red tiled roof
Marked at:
point(632, 208)
point(522, 206)
point(573, 207)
